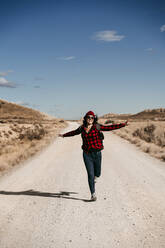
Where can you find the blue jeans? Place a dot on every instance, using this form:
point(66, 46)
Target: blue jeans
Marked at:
point(93, 166)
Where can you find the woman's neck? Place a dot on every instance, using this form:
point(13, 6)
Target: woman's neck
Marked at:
point(89, 125)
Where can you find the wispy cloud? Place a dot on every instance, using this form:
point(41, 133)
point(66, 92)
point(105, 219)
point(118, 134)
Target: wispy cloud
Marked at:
point(23, 103)
point(5, 83)
point(56, 109)
point(150, 49)
point(162, 28)
point(5, 73)
point(38, 78)
point(27, 104)
point(37, 86)
point(67, 58)
point(108, 36)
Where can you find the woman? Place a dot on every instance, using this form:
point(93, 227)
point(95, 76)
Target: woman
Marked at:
point(92, 146)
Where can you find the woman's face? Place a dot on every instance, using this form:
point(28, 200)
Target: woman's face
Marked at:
point(90, 119)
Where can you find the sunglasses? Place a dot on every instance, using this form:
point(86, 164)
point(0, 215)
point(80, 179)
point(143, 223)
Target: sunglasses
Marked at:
point(90, 117)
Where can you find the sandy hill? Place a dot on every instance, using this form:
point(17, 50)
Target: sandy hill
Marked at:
point(13, 112)
point(116, 116)
point(152, 114)
point(148, 114)
point(24, 132)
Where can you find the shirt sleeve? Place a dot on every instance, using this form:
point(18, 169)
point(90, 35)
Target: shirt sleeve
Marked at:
point(72, 133)
point(111, 127)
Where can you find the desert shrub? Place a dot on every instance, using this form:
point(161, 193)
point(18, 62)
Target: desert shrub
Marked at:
point(149, 137)
point(160, 136)
point(31, 134)
point(145, 133)
point(32, 144)
point(151, 134)
point(16, 128)
point(149, 129)
point(109, 122)
point(163, 157)
point(4, 167)
point(134, 140)
point(160, 141)
point(6, 135)
point(146, 148)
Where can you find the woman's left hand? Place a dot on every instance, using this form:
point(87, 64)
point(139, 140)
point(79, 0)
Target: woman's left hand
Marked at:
point(126, 123)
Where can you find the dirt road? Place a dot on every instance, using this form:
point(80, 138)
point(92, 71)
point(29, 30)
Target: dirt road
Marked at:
point(43, 203)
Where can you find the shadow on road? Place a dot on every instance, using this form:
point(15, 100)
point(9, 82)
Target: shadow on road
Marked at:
point(62, 194)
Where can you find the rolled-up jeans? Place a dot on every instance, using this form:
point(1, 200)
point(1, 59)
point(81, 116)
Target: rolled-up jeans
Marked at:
point(93, 166)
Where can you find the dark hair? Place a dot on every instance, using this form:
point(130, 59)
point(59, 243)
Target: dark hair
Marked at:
point(85, 120)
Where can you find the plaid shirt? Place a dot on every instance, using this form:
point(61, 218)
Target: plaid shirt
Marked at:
point(92, 140)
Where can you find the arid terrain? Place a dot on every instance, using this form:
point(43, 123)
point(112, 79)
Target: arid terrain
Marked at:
point(45, 202)
point(145, 129)
point(24, 132)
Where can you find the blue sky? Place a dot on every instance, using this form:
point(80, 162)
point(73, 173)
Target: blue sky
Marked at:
point(67, 57)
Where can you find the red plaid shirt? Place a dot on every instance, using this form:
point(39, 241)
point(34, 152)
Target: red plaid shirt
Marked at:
point(92, 140)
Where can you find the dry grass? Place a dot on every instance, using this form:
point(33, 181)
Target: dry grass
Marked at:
point(24, 132)
point(10, 112)
point(18, 142)
point(149, 136)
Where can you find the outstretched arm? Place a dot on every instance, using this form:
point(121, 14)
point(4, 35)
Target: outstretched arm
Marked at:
point(113, 127)
point(71, 133)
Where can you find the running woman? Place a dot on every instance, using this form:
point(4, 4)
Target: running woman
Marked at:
point(92, 138)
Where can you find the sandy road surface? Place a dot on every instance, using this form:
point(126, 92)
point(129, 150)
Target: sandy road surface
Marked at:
point(42, 202)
